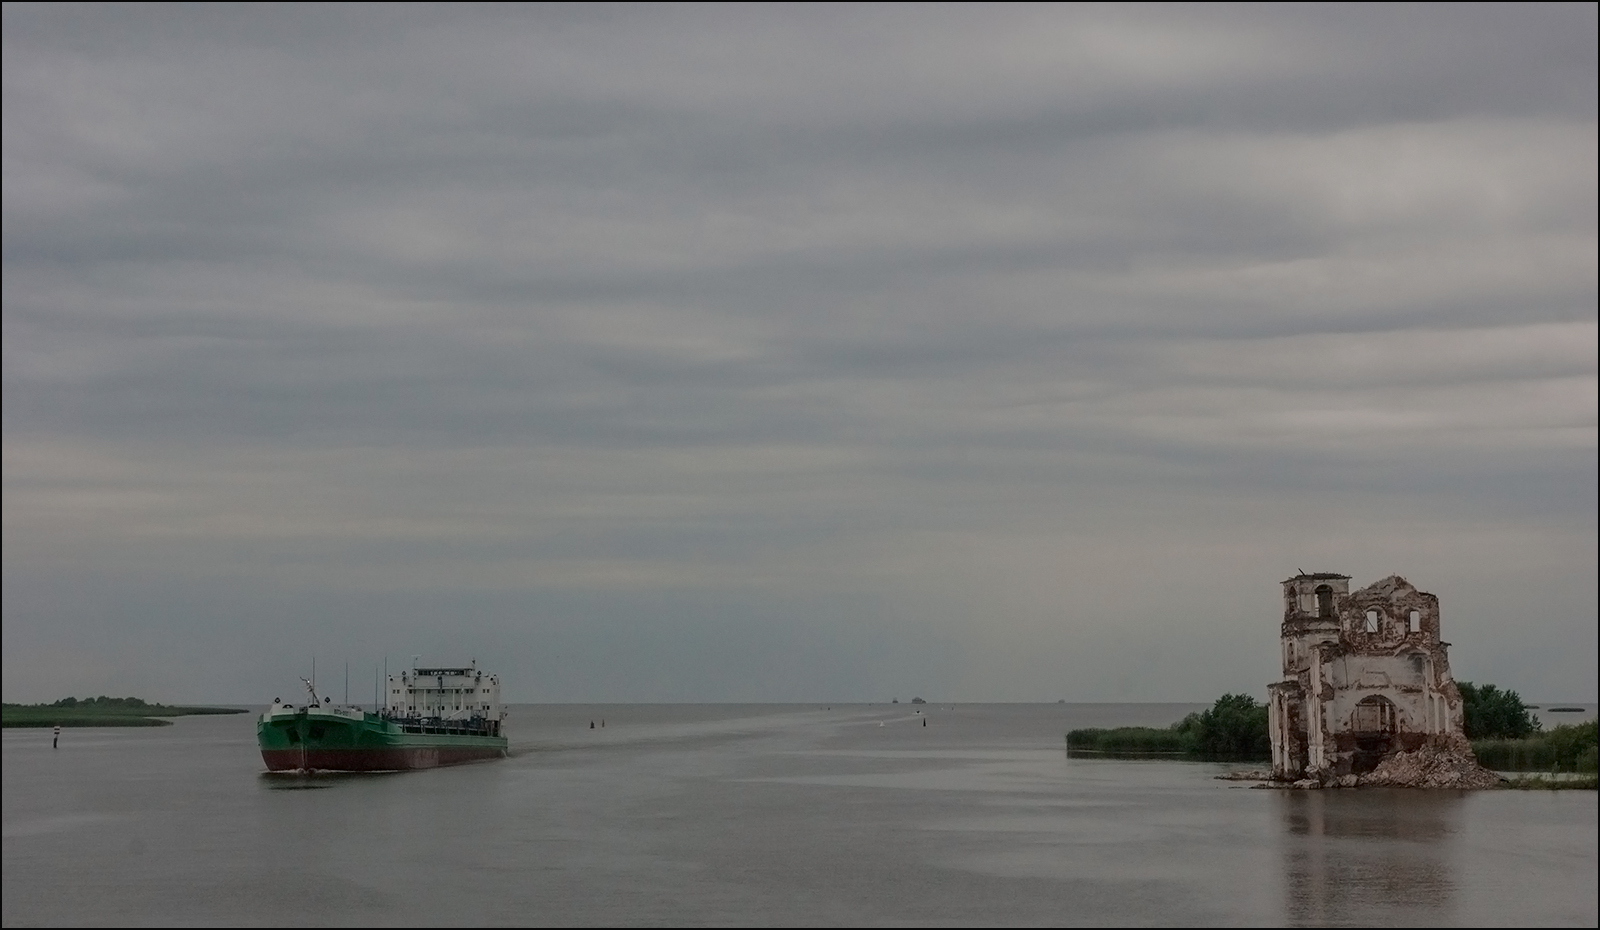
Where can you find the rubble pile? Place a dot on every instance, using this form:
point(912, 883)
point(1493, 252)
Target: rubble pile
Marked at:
point(1443, 764)
point(1252, 775)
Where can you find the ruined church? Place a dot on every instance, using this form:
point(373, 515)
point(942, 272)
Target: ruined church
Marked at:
point(1365, 675)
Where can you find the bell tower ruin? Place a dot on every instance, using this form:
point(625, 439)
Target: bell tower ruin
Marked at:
point(1365, 675)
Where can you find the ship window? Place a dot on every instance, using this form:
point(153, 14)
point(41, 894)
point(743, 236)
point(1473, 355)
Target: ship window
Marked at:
point(1372, 621)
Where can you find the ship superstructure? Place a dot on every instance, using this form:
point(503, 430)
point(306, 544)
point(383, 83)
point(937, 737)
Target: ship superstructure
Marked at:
point(456, 694)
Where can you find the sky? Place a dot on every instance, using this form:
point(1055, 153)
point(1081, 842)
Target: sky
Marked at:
point(791, 353)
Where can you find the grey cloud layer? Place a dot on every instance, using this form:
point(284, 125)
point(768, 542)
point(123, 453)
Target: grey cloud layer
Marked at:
point(858, 335)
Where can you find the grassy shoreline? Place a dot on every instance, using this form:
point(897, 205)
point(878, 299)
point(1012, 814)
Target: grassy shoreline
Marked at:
point(1159, 743)
point(115, 712)
point(1534, 782)
point(1234, 729)
point(1567, 750)
point(1564, 748)
point(1129, 741)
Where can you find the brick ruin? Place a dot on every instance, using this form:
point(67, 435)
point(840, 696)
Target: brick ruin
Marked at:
point(1366, 695)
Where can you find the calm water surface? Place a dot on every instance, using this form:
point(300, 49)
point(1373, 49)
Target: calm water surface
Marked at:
point(762, 814)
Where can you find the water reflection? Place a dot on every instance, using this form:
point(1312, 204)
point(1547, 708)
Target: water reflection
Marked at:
point(1369, 855)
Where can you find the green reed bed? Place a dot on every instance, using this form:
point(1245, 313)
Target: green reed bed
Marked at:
point(1547, 783)
point(1566, 748)
point(1130, 740)
point(81, 720)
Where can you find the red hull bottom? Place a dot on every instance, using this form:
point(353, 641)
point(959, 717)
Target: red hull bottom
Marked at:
point(375, 760)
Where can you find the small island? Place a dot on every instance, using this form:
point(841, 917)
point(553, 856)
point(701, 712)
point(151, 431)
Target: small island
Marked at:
point(1503, 736)
point(101, 712)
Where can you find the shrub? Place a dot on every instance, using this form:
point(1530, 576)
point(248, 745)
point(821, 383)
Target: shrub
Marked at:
point(1494, 714)
point(1234, 728)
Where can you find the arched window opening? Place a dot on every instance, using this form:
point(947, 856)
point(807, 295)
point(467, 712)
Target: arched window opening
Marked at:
point(1416, 621)
point(1324, 601)
point(1375, 715)
point(1371, 625)
point(1374, 722)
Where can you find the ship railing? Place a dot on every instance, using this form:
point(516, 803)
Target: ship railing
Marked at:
point(475, 726)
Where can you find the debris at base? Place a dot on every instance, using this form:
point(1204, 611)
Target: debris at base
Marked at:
point(1255, 775)
point(1443, 764)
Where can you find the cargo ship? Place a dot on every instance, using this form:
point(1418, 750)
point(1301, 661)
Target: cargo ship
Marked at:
point(428, 717)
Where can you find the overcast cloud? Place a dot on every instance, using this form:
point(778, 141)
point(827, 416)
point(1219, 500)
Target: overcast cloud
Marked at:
point(814, 353)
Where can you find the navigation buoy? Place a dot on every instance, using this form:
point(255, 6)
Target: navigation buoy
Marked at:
point(591, 724)
point(55, 741)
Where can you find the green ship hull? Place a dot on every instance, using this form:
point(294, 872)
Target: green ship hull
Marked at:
point(347, 739)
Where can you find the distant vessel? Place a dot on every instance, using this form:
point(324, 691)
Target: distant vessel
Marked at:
point(430, 717)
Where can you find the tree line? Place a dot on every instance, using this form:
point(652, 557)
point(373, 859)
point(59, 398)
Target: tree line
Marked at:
point(1503, 730)
point(101, 702)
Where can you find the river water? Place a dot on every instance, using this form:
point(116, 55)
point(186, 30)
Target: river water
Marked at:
point(762, 814)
